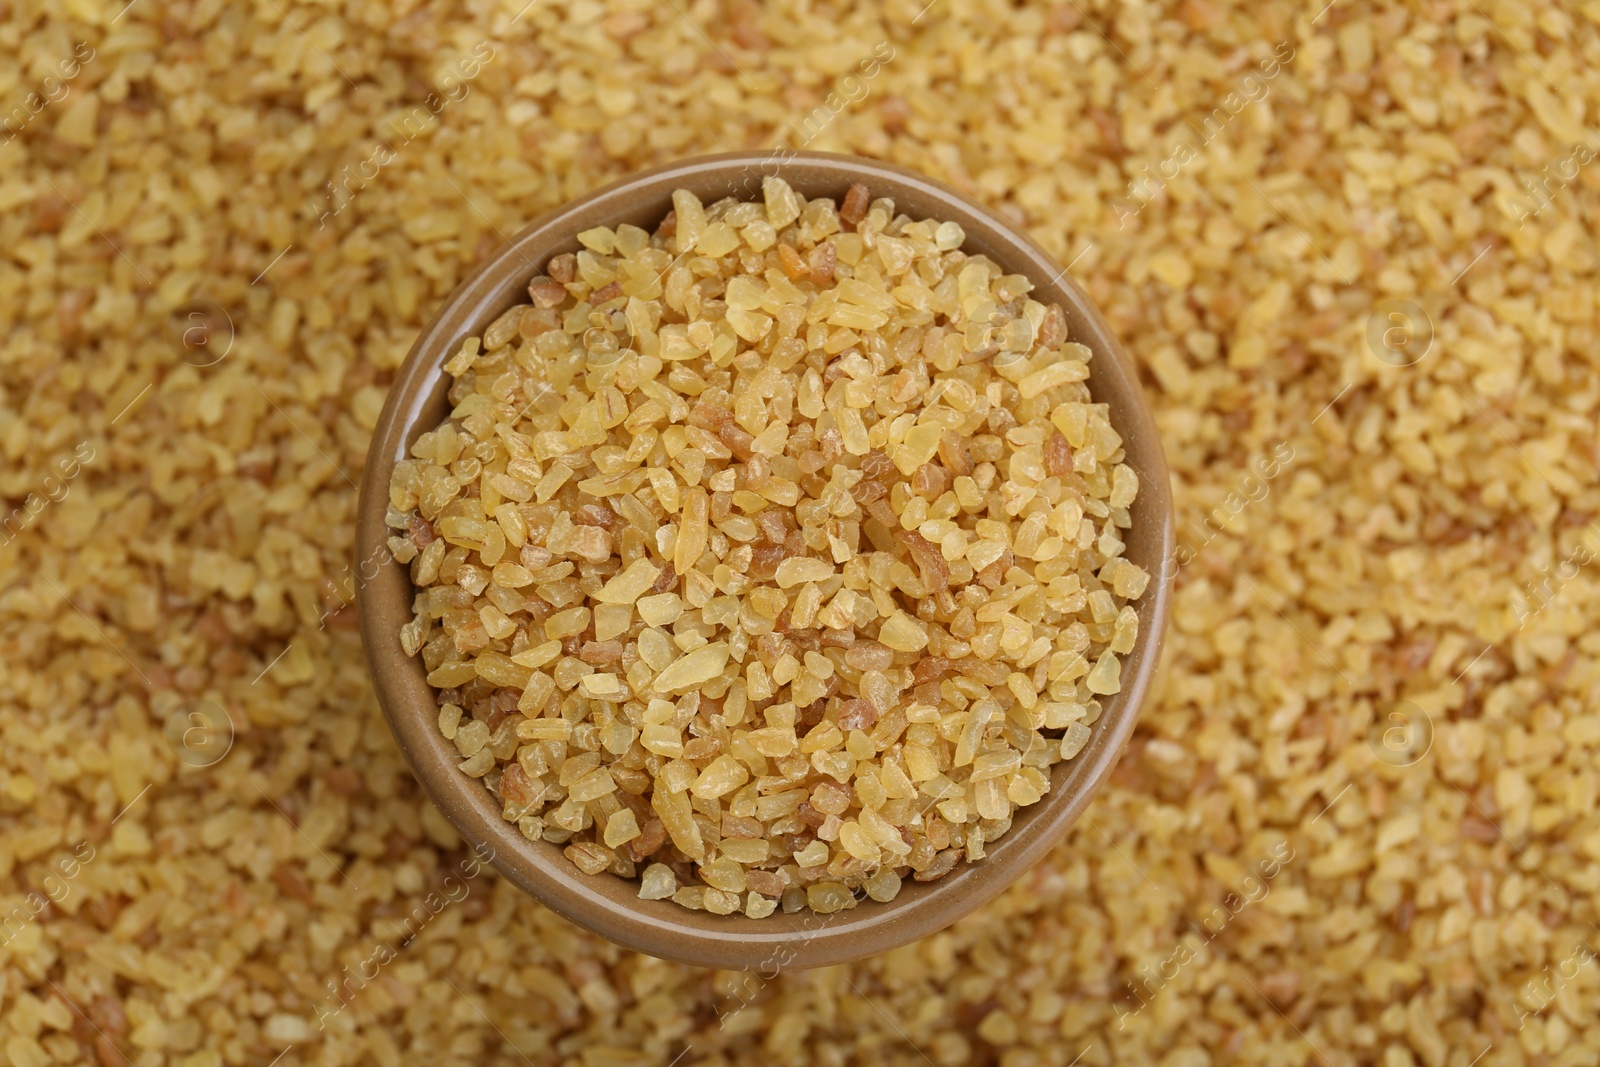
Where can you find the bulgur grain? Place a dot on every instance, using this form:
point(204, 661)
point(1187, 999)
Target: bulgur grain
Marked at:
point(1414, 535)
point(703, 417)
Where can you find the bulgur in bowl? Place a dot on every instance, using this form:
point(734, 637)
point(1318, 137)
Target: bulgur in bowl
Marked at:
point(1028, 795)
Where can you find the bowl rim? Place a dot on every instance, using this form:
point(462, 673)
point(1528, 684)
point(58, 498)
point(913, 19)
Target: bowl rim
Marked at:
point(607, 905)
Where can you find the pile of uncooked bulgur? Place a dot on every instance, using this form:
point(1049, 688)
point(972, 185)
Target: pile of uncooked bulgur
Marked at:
point(779, 550)
point(1275, 874)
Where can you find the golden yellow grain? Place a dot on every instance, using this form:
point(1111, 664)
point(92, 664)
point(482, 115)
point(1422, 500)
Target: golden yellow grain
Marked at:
point(663, 413)
point(1333, 562)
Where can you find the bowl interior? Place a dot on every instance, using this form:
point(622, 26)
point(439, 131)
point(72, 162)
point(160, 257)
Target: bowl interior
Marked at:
point(609, 905)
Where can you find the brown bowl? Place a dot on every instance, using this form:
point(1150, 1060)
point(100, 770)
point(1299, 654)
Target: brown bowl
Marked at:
point(609, 905)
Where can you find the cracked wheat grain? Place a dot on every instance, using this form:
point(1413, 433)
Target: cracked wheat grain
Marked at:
point(779, 550)
point(1410, 551)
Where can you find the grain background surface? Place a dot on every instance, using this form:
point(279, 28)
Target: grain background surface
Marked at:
point(1361, 290)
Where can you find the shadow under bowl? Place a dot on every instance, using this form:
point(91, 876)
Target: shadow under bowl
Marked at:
point(605, 904)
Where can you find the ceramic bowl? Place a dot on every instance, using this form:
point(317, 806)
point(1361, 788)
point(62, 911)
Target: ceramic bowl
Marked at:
point(605, 904)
